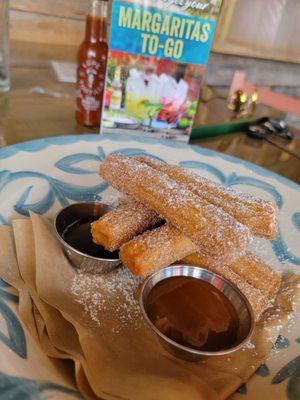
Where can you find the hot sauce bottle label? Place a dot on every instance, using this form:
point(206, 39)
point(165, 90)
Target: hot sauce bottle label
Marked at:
point(90, 84)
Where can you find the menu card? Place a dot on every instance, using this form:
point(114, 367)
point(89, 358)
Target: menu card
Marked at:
point(158, 51)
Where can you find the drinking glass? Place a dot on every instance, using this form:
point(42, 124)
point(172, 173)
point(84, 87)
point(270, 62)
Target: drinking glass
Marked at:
point(4, 46)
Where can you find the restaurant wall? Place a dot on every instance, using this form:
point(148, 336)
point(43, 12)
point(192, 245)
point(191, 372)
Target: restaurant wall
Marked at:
point(268, 29)
point(44, 21)
point(254, 28)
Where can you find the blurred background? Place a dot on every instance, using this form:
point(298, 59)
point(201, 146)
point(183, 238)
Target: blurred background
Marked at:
point(261, 38)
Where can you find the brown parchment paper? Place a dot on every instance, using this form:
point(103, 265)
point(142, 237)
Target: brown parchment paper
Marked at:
point(9, 271)
point(126, 361)
point(57, 336)
point(59, 371)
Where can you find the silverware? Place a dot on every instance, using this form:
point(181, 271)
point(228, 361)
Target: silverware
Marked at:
point(71, 214)
point(236, 297)
point(260, 132)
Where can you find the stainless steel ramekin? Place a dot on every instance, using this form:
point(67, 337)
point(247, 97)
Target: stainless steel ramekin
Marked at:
point(69, 215)
point(236, 297)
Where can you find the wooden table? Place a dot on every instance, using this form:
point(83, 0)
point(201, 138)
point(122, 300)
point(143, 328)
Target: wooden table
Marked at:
point(39, 106)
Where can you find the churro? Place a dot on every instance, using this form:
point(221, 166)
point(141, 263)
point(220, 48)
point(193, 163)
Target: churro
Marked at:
point(210, 228)
point(258, 215)
point(258, 300)
point(257, 273)
point(120, 225)
point(161, 247)
point(155, 249)
point(249, 267)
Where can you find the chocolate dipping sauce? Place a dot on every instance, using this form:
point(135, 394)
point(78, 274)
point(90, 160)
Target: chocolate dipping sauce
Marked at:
point(193, 313)
point(78, 235)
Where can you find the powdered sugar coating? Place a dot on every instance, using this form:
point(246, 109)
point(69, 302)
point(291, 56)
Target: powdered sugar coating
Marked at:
point(115, 292)
point(259, 215)
point(252, 269)
point(155, 249)
point(258, 273)
point(207, 226)
point(120, 225)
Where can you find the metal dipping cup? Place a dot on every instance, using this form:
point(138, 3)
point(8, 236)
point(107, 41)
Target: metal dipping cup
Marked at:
point(236, 297)
point(82, 261)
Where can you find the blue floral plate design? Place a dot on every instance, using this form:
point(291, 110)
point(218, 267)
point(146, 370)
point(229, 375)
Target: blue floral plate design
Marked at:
point(47, 174)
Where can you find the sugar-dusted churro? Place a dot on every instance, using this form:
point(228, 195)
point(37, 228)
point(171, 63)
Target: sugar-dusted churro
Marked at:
point(161, 247)
point(258, 300)
point(210, 228)
point(155, 249)
point(258, 215)
point(257, 273)
point(249, 267)
point(120, 225)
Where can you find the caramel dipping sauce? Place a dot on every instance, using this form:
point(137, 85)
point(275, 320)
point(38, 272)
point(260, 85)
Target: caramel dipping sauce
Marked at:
point(193, 313)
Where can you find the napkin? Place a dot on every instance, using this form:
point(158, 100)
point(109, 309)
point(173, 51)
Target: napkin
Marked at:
point(96, 322)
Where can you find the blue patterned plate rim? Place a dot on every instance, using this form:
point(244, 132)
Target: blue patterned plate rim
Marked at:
point(36, 145)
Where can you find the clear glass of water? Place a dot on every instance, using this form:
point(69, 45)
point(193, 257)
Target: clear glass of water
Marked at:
point(4, 46)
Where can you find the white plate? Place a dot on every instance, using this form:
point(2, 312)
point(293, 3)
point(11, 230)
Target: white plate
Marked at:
point(46, 174)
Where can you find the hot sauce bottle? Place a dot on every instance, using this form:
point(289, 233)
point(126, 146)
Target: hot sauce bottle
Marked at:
point(91, 66)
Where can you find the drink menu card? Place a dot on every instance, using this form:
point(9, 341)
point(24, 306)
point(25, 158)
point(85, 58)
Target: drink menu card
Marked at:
point(158, 51)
